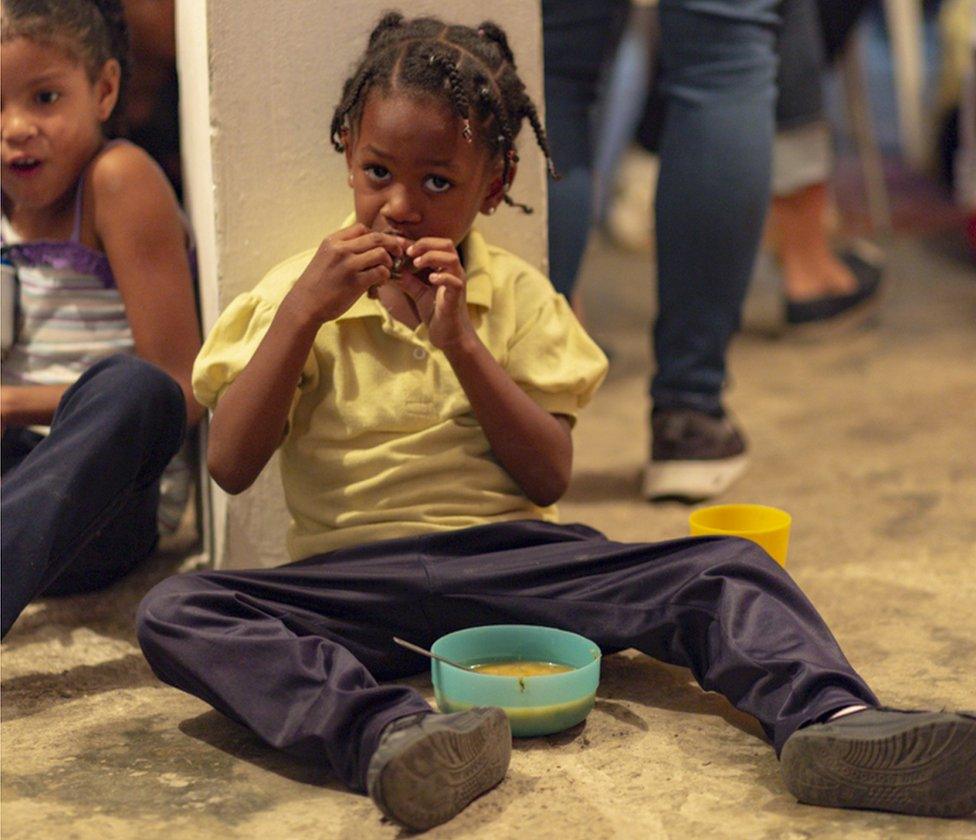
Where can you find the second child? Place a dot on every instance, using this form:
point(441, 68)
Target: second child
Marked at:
point(96, 381)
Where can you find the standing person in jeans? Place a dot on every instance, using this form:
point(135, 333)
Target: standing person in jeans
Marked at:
point(718, 76)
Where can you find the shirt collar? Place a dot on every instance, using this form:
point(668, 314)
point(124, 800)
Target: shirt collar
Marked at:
point(477, 264)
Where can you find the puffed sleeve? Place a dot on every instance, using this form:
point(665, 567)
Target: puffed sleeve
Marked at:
point(230, 345)
point(550, 355)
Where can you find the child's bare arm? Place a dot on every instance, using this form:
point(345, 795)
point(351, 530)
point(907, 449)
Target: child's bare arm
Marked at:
point(250, 418)
point(137, 219)
point(534, 446)
point(29, 405)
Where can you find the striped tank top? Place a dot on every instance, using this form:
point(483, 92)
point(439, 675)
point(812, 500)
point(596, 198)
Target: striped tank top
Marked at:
point(68, 315)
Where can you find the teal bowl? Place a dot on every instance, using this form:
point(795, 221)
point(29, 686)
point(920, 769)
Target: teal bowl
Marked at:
point(537, 705)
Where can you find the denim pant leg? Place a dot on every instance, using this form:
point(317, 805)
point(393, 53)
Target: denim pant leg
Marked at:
point(17, 443)
point(86, 494)
point(624, 101)
point(126, 539)
point(802, 65)
point(719, 65)
point(577, 38)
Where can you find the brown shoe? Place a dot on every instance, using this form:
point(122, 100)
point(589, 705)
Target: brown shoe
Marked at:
point(694, 455)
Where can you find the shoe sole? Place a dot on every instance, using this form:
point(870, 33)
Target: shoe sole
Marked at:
point(435, 778)
point(692, 481)
point(926, 769)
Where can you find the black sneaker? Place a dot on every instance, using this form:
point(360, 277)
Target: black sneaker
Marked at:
point(429, 767)
point(921, 763)
point(694, 455)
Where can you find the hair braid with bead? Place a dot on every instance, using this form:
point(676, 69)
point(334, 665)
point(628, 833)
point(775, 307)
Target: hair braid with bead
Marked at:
point(473, 69)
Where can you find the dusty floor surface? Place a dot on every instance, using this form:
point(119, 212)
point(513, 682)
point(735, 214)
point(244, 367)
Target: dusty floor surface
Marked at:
point(868, 440)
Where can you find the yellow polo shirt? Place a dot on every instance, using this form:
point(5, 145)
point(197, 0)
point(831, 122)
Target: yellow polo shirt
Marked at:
point(382, 441)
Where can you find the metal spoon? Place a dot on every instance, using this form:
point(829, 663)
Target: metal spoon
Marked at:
point(422, 651)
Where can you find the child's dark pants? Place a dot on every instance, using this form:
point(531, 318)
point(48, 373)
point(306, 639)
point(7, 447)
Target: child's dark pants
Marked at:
point(294, 652)
point(79, 506)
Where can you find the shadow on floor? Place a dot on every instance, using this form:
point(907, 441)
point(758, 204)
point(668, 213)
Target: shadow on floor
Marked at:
point(216, 730)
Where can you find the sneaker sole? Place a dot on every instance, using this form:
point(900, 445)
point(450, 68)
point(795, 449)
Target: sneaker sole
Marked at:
point(926, 769)
point(435, 778)
point(692, 481)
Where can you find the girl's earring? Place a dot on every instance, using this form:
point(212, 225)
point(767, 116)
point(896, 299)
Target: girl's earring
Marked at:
point(349, 178)
point(491, 210)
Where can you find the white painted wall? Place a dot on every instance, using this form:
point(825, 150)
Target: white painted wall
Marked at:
point(258, 85)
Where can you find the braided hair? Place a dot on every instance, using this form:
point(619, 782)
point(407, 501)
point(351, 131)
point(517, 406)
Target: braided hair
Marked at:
point(90, 31)
point(473, 68)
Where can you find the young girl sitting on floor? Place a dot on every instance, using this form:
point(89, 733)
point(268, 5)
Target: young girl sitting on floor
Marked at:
point(97, 252)
point(421, 386)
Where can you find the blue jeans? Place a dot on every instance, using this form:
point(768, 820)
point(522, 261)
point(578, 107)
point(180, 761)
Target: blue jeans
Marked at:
point(718, 76)
point(79, 506)
point(811, 35)
point(719, 69)
point(578, 39)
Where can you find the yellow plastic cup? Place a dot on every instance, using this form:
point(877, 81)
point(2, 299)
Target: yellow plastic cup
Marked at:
point(766, 526)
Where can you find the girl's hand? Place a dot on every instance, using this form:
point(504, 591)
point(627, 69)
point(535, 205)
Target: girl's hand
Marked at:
point(441, 302)
point(347, 264)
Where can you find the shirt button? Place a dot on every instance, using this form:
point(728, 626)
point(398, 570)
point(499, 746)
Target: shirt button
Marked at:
point(419, 353)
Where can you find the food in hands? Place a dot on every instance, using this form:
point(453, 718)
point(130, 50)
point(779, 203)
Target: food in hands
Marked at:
point(403, 263)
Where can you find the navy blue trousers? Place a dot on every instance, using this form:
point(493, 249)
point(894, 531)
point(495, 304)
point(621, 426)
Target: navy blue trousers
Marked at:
point(79, 506)
point(296, 653)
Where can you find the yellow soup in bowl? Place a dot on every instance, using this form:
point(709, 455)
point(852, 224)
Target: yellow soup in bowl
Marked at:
point(519, 668)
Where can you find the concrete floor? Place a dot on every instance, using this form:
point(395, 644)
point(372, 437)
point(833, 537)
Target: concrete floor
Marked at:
point(867, 439)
